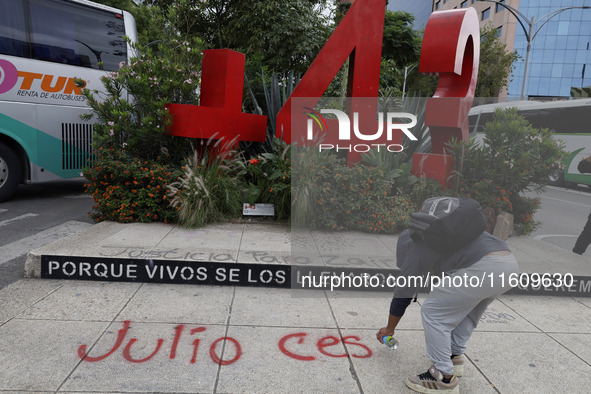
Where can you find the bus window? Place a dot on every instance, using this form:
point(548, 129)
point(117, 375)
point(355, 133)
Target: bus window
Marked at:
point(478, 121)
point(76, 35)
point(13, 36)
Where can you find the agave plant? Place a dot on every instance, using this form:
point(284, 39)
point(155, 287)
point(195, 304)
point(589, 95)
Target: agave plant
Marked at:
point(276, 94)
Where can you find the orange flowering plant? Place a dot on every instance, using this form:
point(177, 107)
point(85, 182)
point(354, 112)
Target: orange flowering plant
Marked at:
point(127, 189)
point(329, 194)
point(136, 158)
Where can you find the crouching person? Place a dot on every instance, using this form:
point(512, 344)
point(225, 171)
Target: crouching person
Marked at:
point(447, 243)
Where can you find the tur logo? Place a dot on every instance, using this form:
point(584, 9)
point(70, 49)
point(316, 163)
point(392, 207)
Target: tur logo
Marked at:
point(344, 130)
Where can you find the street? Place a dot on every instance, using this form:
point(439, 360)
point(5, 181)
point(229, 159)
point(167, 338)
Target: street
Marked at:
point(563, 215)
point(39, 214)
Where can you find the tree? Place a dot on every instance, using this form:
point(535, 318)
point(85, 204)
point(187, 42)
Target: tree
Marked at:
point(401, 48)
point(496, 63)
point(284, 34)
point(401, 43)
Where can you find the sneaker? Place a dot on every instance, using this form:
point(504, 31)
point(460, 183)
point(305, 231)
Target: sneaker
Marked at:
point(432, 382)
point(458, 365)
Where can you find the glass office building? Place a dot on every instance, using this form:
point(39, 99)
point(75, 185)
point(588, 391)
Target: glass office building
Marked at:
point(561, 51)
point(421, 9)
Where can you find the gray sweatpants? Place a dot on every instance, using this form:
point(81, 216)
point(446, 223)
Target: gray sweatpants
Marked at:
point(451, 311)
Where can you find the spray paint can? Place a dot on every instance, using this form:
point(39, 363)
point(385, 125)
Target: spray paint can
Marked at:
point(390, 342)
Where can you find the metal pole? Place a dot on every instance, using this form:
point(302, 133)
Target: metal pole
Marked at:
point(404, 83)
point(529, 42)
point(406, 70)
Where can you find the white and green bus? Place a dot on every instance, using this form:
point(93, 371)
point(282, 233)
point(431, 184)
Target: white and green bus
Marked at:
point(45, 45)
point(570, 120)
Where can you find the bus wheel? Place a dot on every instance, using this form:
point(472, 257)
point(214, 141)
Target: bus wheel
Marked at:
point(10, 172)
point(556, 178)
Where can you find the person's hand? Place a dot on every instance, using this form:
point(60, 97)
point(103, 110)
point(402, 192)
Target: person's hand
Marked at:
point(383, 332)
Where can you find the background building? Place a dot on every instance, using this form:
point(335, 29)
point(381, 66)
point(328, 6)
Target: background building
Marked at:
point(421, 9)
point(561, 55)
point(561, 52)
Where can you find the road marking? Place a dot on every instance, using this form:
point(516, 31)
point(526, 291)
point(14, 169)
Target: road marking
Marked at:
point(541, 237)
point(568, 202)
point(78, 196)
point(25, 245)
point(584, 193)
point(3, 210)
point(8, 221)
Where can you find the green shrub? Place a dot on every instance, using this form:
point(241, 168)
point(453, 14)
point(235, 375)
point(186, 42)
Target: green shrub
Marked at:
point(130, 134)
point(131, 114)
point(335, 196)
point(307, 163)
point(393, 166)
point(514, 157)
point(266, 178)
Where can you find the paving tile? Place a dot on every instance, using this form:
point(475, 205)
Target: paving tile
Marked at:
point(139, 235)
point(306, 257)
point(165, 252)
point(532, 256)
point(141, 365)
point(264, 368)
point(262, 256)
point(499, 317)
point(389, 241)
point(83, 301)
point(527, 363)
point(266, 237)
point(277, 307)
point(225, 235)
point(304, 250)
point(387, 370)
point(353, 250)
point(371, 311)
point(551, 314)
point(347, 241)
point(179, 304)
point(585, 301)
point(90, 237)
point(37, 355)
point(579, 344)
point(17, 297)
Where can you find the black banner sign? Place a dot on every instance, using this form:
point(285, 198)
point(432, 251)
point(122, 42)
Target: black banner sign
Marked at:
point(276, 275)
point(574, 286)
point(165, 271)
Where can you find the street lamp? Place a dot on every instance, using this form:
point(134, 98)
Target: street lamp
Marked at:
point(531, 33)
point(406, 71)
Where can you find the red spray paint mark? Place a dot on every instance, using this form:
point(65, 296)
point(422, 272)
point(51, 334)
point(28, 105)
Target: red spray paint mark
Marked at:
point(300, 337)
point(216, 359)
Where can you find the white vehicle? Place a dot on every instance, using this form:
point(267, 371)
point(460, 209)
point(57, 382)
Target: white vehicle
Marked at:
point(569, 119)
point(45, 45)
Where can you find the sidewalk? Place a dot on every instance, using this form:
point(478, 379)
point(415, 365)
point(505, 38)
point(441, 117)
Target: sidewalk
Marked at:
point(247, 336)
